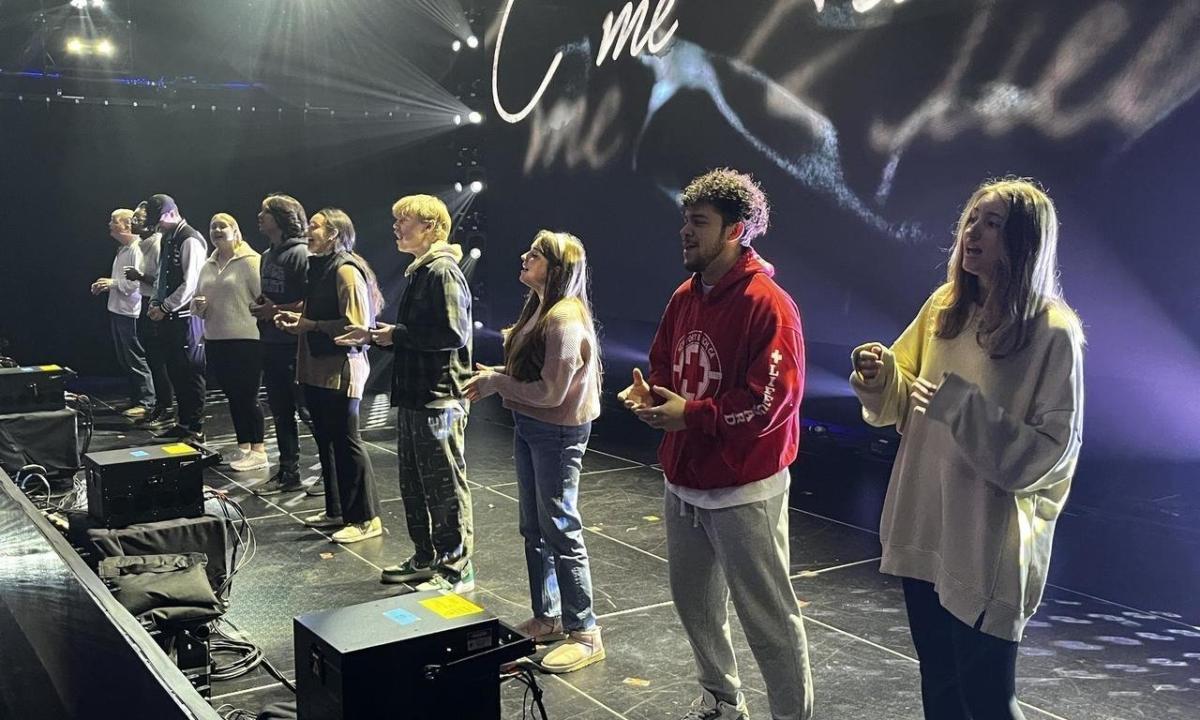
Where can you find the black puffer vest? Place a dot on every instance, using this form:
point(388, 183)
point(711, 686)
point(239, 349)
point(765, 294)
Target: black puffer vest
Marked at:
point(321, 300)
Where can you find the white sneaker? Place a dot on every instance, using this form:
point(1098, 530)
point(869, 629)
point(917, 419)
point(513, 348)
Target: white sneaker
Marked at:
point(357, 532)
point(253, 460)
point(321, 520)
point(232, 455)
point(708, 707)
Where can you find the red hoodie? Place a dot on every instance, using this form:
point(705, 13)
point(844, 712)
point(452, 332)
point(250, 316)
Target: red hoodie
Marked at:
point(737, 355)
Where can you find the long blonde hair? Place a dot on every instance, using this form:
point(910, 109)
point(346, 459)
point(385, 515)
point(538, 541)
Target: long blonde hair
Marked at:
point(1026, 281)
point(567, 281)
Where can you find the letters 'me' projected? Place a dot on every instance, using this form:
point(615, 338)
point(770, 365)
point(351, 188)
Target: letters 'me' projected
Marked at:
point(629, 24)
point(627, 27)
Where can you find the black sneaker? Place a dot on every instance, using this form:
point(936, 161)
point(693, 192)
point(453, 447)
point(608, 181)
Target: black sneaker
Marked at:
point(281, 482)
point(411, 570)
point(316, 489)
point(175, 432)
point(159, 415)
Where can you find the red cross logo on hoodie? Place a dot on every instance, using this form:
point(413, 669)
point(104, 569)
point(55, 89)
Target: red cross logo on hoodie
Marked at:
point(697, 367)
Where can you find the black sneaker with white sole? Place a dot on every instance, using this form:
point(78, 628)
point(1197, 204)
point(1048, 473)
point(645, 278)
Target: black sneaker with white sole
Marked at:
point(281, 482)
point(175, 432)
point(411, 570)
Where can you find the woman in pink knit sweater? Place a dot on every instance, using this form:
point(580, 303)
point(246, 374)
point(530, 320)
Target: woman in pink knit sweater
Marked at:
point(551, 381)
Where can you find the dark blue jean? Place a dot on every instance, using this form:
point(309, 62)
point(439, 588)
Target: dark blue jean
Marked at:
point(548, 459)
point(132, 358)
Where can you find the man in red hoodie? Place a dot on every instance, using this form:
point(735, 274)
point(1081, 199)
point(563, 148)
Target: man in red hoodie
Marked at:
point(726, 377)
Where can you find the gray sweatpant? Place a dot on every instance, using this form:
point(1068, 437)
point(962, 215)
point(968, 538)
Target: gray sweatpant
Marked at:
point(740, 552)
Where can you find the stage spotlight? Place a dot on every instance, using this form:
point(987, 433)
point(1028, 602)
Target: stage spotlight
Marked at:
point(472, 42)
point(75, 46)
point(97, 3)
point(475, 117)
point(476, 253)
point(456, 45)
point(476, 186)
point(79, 4)
point(105, 48)
point(458, 187)
point(478, 325)
point(458, 119)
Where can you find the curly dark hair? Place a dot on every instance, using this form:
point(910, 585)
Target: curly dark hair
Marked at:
point(288, 213)
point(736, 196)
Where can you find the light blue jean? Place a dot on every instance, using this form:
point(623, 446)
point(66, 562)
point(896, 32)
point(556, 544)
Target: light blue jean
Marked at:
point(548, 459)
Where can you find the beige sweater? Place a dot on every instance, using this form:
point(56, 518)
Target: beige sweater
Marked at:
point(228, 290)
point(568, 391)
point(982, 475)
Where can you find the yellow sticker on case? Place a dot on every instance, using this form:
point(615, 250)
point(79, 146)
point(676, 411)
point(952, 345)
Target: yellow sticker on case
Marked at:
point(178, 449)
point(451, 606)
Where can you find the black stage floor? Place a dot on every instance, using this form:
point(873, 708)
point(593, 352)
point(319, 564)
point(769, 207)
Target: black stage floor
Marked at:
point(1084, 657)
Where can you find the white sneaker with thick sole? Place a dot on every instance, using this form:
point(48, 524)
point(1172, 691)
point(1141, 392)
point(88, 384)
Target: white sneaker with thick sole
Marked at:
point(253, 460)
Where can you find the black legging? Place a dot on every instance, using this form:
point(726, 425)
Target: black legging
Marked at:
point(237, 367)
point(966, 674)
point(346, 467)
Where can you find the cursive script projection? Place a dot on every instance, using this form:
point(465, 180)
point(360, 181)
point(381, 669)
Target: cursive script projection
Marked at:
point(1164, 72)
point(617, 31)
point(570, 132)
point(625, 28)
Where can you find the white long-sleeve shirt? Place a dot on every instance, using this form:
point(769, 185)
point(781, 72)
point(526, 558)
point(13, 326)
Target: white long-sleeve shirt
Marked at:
point(125, 296)
point(983, 473)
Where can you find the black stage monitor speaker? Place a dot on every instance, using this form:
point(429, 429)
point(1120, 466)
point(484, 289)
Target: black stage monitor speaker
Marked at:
point(29, 389)
point(145, 484)
point(422, 656)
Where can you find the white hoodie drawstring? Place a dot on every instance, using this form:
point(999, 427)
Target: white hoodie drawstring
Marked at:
point(683, 508)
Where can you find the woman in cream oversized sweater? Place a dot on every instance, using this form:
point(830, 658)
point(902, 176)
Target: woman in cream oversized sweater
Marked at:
point(551, 382)
point(228, 285)
point(986, 386)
